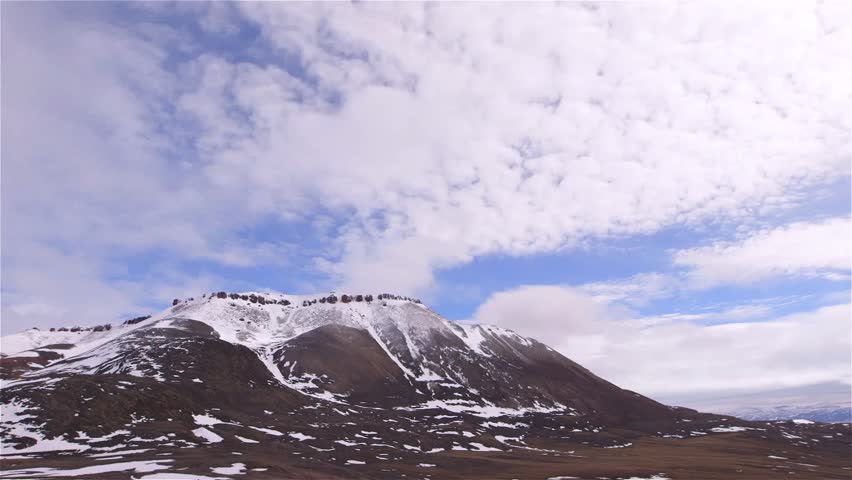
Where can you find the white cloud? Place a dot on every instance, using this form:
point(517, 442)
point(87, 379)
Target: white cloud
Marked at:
point(539, 310)
point(562, 317)
point(815, 249)
point(678, 358)
point(795, 350)
point(503, 131)
point(52, 288)
point(819, 249)
point(95, 172)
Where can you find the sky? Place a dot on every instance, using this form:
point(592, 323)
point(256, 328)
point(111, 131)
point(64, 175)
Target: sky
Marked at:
point(659, 191)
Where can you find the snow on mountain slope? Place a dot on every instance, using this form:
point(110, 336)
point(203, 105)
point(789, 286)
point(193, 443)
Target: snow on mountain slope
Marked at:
point(34, 338)
point(45, 347)
point(433, 361)
point(236, 321)
point(403, 329)
point(264, 327)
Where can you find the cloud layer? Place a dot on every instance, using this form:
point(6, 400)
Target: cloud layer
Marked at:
point(674, 357)
point(460, 133)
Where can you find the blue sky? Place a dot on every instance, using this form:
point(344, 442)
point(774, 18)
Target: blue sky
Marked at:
point(638, 174)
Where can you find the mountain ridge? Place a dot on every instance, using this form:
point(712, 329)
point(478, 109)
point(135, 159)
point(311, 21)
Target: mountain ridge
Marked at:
point(402, 327)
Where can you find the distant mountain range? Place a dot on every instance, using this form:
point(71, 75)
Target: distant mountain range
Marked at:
point(816, 413)
point(821, 402)
point(275, 386)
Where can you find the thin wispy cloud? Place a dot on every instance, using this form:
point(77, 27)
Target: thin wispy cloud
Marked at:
point(798, 249)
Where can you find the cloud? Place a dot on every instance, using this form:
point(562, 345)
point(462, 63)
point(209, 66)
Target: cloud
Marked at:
point(788, 252)
point(795, 350)
point(562, 317)
point(747, 311)
point(431, 134)
point(669, 359)
point(539, 310)
point(96, 173)
point(83, 290)
point(637, 290)
point(799, 249)
point(492, 135)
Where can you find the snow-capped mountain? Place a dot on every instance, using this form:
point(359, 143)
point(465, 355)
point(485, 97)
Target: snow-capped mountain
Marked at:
point(320, 383)
point(386, 351)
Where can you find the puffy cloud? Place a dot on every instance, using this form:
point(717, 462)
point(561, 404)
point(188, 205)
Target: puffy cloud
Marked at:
point(540, 310)
point(562, 317)
point(676, 357)
point(96, 173)
point(431, 134)
point(525, 130)
point(814, 249)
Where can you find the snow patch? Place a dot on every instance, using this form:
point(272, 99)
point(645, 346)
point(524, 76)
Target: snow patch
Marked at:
point(177, 476)
point(478, 447)
point(481, 410)
point(268, 431)
point(207, 435)
point(206, 420)
point(137, 467)
point(730, 429)
point(234, 469)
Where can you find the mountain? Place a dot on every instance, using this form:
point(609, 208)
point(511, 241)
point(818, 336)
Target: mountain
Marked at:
point(266, 385)
point(819, 412)
point(819, 402)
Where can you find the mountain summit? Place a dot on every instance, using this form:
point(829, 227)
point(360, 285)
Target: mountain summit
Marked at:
point(289, 386)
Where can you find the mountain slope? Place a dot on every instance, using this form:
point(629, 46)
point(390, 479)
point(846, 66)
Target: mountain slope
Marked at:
point(308, 384)
point(399, 348)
